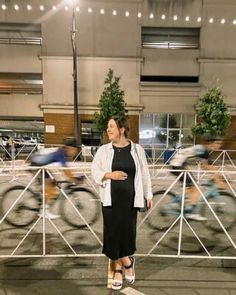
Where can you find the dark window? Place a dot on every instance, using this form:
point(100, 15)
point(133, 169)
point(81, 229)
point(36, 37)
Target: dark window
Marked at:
point(170, 38)
point(20, 34)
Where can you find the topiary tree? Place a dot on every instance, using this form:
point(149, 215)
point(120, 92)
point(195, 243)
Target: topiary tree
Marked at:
point(212, 114)
point(111, 102)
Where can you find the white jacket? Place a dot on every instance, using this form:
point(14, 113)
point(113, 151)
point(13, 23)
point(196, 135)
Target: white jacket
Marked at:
point(102, 163)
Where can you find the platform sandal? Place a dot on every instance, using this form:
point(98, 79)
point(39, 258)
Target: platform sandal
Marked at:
point(117, 284)
point(130, 279)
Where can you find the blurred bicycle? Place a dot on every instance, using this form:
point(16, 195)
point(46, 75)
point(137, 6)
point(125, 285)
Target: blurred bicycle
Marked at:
point(29, 207)
point(222, 202)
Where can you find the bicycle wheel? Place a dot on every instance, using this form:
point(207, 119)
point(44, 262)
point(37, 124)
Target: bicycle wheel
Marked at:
point(25, 211)
point(224, 207)
point(162, 216)
point(86, 202)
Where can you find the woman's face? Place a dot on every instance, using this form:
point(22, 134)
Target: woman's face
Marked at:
point(113, 132)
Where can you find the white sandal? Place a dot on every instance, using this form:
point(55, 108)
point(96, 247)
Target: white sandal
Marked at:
point(117, 284)
point(130, 279)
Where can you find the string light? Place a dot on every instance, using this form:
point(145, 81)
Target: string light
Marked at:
point(127, 13)
point(151, 15)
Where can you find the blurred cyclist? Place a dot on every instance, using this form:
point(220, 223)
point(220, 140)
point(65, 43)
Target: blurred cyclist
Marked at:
point(60, 155)
point(179, 162)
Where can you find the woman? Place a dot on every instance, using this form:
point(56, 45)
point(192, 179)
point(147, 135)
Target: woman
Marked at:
point(120, 168)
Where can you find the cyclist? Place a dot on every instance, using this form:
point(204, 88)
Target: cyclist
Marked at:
point(179, 162)
point(60, 155)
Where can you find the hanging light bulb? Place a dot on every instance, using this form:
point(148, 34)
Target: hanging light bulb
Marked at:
point(151, 15)
point(4, 7)
point(29, 7)
point(114, 12)
point(187, 18)
point(175, 17)
point(127, 13)
point(102, 11)
point(199, 19)
point(16, 6)
point(163, 17)
point(222, 21)
point(139, 15)
point(41, 7)
point(211, 20)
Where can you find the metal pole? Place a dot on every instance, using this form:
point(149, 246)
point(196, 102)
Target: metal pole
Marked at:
point(74, 49)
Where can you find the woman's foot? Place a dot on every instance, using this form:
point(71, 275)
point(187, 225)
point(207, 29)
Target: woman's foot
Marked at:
point(129, 271)
point(117, 279)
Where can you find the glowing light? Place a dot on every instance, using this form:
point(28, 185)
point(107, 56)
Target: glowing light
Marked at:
point(16, 7)
point(4, 7)
point(222, 21)
point(90, 10)
point(211, 20)
point(163, 16)
point(187, 18)
point(41, 7)
point(127, 13)
point(175, 17)
point(114, 12)
point(54, 7)
point(77, 9)
point(102, 11)
point(151, 15)
point(139, 15)
point(199, 19)
point(234, 22)
point(29, 7)
point(66, 8)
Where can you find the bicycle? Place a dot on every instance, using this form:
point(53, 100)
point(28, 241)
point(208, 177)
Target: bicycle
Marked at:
point(222, 203)
point(27, 208)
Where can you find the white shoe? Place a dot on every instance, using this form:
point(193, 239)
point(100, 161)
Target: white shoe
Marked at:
point(47, 214)
point(195, 216)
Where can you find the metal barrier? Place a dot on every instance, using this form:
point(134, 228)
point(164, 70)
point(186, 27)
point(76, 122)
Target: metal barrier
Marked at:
point(149, 241)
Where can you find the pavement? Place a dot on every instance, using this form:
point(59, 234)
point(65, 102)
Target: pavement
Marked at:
point(86, 276)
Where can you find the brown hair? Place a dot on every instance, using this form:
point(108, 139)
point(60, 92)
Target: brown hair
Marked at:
point(121, 122)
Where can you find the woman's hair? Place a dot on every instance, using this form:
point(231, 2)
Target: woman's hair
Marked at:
point(121, 122)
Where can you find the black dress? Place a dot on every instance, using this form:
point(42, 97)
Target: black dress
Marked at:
point(119, 237)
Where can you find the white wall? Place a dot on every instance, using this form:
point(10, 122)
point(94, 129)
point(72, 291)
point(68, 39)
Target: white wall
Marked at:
point(58, 82)
point(21, 105)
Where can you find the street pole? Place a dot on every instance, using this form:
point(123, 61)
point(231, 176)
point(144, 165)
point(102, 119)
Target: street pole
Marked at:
point(74, 49)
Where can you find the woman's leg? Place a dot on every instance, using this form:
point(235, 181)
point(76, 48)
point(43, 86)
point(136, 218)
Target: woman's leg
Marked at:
point(127, 263)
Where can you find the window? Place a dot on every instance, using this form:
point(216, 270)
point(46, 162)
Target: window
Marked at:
point(20, 34)
point(90, 134)
point(163, 130)
point(21, 83)
point(170, 38)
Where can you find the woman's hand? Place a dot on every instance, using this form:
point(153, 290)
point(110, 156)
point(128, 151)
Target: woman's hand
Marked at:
point(149, 203)
point(116, 175)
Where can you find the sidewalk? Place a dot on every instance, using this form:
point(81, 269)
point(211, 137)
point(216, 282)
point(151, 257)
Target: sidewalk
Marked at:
point(85, 276)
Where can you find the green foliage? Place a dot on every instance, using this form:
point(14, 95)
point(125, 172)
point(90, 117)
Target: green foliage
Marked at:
point(111, 102)
point(213, 116)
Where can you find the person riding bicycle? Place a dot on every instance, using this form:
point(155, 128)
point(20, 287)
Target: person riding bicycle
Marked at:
point(179, 162)
point(60, 155)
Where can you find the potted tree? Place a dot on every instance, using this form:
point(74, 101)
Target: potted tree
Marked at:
point(212, 114)
point(111, 103)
